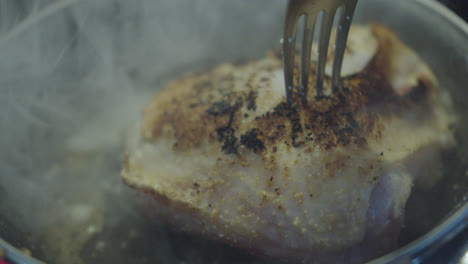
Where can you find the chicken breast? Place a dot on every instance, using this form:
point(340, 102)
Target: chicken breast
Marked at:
point(221, 154)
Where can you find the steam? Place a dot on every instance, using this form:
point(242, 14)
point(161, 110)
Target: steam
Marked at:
point(74, 76)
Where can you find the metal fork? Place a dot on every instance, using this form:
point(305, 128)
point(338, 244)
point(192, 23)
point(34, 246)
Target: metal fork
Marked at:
point(311, 10)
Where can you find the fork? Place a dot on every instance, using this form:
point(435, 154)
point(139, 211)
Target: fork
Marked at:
point(311, 10)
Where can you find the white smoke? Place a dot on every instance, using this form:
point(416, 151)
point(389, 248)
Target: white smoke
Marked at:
point(74, 76)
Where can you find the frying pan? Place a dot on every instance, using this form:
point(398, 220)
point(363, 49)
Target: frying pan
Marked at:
point(74, 76)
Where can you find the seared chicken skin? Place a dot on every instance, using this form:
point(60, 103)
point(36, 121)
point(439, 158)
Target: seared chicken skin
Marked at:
point(326, 179)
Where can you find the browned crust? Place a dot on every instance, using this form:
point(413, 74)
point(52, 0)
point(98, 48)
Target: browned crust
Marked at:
point(208, 111)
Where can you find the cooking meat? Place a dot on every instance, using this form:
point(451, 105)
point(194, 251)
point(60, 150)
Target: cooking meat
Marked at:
point(221, 154)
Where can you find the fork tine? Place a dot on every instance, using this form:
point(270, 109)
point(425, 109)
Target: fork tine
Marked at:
point(306, 50)
point(289, 51)
point(323, 47)
point(341, 39)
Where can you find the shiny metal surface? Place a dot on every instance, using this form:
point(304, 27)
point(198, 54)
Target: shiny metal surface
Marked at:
point(423, 248)
point(311, 9)
point(15, 256)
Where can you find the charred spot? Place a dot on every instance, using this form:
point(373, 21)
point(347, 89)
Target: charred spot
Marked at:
point(282, 109)
point(226, 136)
point(251, 101)
point(296, 125)
point(229, 145)
point(251, 141)
point(321, 136)
point(345, 88)
point(226, 133)
point(294, 141)
point(292, 114)
point(328, 120)
point(246, 115)
point(343, 140)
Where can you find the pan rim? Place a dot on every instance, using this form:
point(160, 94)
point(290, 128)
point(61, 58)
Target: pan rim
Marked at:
point(14, 254)
point(439, 235)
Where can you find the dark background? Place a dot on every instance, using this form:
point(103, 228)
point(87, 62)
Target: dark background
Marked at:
point(453, 251)
point(459, 6)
